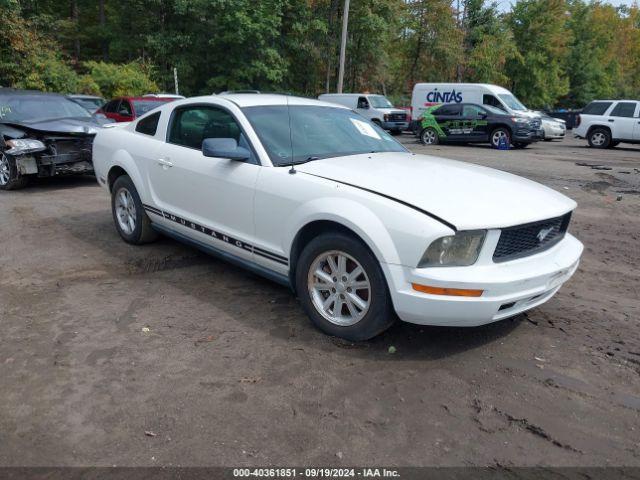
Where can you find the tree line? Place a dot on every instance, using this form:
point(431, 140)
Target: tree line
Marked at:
point(550, 53)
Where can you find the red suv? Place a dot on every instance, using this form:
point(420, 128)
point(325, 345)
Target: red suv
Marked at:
point(126, 109)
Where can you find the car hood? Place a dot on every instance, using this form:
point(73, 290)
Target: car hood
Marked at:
point(60, 125)
point(465, 195)
point(391, 110)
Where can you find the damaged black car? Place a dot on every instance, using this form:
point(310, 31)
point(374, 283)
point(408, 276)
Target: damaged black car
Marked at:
point(43, 135)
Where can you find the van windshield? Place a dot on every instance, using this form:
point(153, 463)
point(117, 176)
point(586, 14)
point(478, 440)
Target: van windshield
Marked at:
point(302, 133)
point(512, 102)
point(380, 101)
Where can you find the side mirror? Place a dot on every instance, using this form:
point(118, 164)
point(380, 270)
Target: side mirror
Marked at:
point(224, 148)
point(482, 115)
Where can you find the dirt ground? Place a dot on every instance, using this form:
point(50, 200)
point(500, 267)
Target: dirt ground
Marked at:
point(231, 372)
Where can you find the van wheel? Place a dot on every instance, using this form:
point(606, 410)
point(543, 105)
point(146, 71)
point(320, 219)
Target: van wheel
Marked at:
point(429, 136)
point(342, 288)
point(132, 222)
point(499, 135)
point(599, 138)
point(10, 179)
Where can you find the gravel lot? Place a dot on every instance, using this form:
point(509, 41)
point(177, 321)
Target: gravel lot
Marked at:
point(230, 371)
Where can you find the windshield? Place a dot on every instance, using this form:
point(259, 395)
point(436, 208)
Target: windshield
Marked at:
point(143, 106)
point(512, 102)
point(316, 132)
point(380, 101)
point(91, 104)
point(24, 108)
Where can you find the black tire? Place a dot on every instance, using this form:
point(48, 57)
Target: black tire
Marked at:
point(494, 139)
point(429, 136)
point(10, 178)
point(520, 145)
point(396, 132)
point(142, 231)
point(548, 139)
point(614, 143)
point(599, 138)
point(380, 314)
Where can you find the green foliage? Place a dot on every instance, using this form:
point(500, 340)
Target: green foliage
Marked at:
point(548, 52)
point(114, 80)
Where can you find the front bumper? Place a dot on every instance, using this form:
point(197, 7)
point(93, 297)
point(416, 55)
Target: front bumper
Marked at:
point(525, 135)
point(395, 125)
point(555, 133)
point(509, 288)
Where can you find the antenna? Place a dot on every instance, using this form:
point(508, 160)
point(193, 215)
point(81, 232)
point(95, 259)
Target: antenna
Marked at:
point(292, 170)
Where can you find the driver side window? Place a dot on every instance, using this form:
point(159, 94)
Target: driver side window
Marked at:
point(493, 101)
point(190, 126)
point(363, 102)
point(473, 111)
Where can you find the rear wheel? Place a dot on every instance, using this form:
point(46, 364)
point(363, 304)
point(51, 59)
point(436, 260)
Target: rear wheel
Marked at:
point(614, 143)
point(132, 222)
point(429, 136)
point(10, 178)
point(342, 288)
point(500, 136)
point(599, 138)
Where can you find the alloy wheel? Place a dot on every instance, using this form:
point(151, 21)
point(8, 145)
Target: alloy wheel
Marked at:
point(339, 288)
point(429, 137)
point(497, 137)
point(5, 172)
point(598, 139)
point(125, 211)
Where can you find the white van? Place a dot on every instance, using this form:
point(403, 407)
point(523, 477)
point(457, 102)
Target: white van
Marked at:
point(428, 94)
point(374, 107)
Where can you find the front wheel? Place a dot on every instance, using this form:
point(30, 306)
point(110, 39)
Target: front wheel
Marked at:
point(500, 138)
point(599, 138)
point(342, 288)
point(429, 136)
point(132, 222)
point(10, 178)
point(520, 144)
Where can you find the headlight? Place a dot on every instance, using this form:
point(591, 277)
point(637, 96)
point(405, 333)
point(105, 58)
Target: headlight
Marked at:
point(21, 146)
point(520, 119)
point(457, 250)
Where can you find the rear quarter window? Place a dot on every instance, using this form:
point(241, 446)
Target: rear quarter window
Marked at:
point(148, 125)
point(596, 108)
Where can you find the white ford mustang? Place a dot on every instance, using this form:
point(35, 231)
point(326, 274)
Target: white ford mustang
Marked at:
point(314, 196)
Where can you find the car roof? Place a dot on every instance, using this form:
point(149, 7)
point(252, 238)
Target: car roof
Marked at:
point(617, 100)
point(148, 99)
point(81, 95)
point(254, 100)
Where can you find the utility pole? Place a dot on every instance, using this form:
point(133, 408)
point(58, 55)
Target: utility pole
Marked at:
point(175, 80)
point(343, 45)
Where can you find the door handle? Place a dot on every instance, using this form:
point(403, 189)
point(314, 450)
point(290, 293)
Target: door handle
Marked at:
point(165, 163)
point(611, 120)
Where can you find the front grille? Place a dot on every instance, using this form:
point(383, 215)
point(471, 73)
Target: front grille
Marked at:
point(68, 149)
point(535, 123)
point(397, 117)
point(525, 240)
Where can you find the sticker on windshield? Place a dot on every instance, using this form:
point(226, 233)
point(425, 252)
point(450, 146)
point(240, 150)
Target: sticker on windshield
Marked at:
point(365, 129)
point(5, 111)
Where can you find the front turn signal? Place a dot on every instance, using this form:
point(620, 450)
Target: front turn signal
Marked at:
point(452, 292)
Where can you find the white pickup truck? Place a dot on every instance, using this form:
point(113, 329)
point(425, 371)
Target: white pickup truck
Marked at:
point(606, 123)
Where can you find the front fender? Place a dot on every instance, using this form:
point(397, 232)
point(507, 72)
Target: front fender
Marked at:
point(350, 214)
